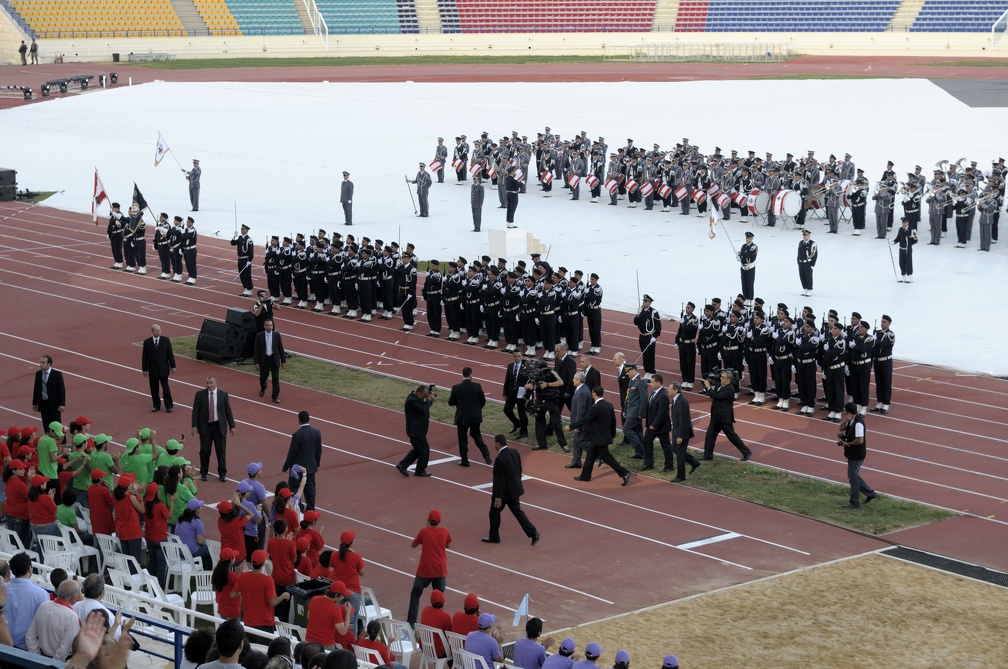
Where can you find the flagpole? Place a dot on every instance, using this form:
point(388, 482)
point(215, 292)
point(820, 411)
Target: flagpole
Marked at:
point(727, 236)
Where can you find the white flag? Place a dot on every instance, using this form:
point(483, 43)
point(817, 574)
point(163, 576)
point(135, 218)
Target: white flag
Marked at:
point(522, 610)
point(98, 197)
point(162, 149)
point(715, 217)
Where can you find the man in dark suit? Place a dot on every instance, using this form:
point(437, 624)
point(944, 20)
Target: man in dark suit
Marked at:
point(269, 356)
point(212, 419)
point(417, 412)
point(565, 367)
point(601, 423)
point(305, 451)
point(49, 394)
point(722, 417)
point(593, 377)
point(468, 399)
point(157, 363)
point(658, 424)
point(580, 403)
point(507, 491)
point(682, 432)
point(514, 382)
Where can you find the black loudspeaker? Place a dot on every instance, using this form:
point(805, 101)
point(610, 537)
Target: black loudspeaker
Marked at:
point(244, 320)
point(7, 194)
point(8, 177)
point(220, 342)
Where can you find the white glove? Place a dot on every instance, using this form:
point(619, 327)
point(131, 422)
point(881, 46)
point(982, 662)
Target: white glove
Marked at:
point(774, 335)
point(349, 201)
point(537, 321)
point(724, 328)
point(793, 369)
point(825, 347)
point(653, 340)
point(676, 346)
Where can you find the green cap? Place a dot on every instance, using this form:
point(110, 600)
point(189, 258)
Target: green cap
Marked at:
point(79, 439)
point(56, 427)
point(101, 439)
point(173, 445)
point(132, 443)
point(145, 433)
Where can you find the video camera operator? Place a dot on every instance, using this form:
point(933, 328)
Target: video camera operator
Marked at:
point(548, 398)
point(263, 309)
point(722, 414)
point(417, 410)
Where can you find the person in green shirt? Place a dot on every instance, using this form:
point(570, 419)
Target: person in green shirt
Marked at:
point(49, 451)
point(101, 459)
point(148, 447)
point(78, 463)
point(136, 463)
point(66, 514)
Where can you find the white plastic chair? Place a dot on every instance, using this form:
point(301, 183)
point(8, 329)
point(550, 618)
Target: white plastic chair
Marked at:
point(109, 547)
point(13, 542)
point(399, 636)
point(180, 566)
point(76, 545)
point(373, 610)
point(289, 630)
point(428, 647)
point(471, 660)
point(202, 593)
point(214, 547)
point(83, 517)
point(125, 580)
point(56, 552)
point(369, 655)
point(155, 592)
point(456, 642)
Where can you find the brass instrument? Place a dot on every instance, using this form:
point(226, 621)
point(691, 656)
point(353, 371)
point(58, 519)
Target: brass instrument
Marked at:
point(942, 165)
point(959, 163)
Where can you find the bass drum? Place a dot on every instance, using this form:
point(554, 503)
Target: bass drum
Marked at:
point(846, 190)
point(787, 203)
point(758, 202)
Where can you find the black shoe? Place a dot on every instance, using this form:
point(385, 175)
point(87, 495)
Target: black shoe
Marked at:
point(423, 474)
point(538, 448)
point(462, 464)
point(852, 506)
point(170, 409)
point(402, 470)
point(692, 467)
point(486, 458)
point(706, 458)
point(203, 477)
point(821, 399)
point(667, 469)
point(745, 458)
point(635, 456)
point(262, 391)
point(646, 468)
point(626, 478)
point(870, 498)
point(155, 409)
point(535, 539)
point(883, 411)
point(573, 465)
point(875, 409)
point(223, 478)
point(578, 478)
point(515, 429)
point(522, 434)
point(488, 540)
point(276, 400)
point(678, 480)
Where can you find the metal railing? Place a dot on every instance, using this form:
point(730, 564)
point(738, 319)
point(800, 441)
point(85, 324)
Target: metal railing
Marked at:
point(998, 29)
point(318, 22)
point(678, 52)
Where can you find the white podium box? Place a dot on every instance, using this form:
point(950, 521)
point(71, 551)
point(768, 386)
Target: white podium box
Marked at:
point(512, 243)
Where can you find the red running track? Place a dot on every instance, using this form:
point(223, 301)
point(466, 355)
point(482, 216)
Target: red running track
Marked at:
point(942, 443)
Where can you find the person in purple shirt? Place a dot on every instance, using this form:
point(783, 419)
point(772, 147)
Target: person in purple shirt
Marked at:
point(190, 530)
point(561, 659)
point(485, 641)
point(23, 599)
point(251, 530)
point(592, 653)
point(258, 496)
point(528, 652)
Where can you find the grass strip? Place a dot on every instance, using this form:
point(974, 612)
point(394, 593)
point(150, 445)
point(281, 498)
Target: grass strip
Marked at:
point(801, 495)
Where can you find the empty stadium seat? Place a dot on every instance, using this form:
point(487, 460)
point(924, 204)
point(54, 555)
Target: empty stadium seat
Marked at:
point(489, 16)
point(958, 15)
point(785, 16)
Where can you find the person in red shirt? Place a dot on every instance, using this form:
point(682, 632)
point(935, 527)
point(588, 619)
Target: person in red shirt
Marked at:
point(303, 564)
point(348, 566)
point(100, 502)
point(328, 617)
point(467, 620)
point(5, 457)
point(433, 567)
point(258, 593)
point(223, 581)
point(370, 640)
point(231, 525)
point(156, 516)
point(127, 507)
point(314, 534)
point(435, 616)
point(282, 553)
point(41, 507)
point(16, 490)
point(322, 569)
point(282, 509)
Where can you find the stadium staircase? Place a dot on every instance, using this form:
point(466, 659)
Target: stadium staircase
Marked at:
point(428, 16)
point(665, 14)
point(904, 17)
point(190, 17)
point(302, 13)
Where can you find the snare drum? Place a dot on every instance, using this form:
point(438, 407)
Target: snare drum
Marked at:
point(573, 180)
point(664, 191)
point(475, 168)
point(723, 201)
point(457, 164)
point(713, 190)
point(631, 186)
point(739, 198)
point(612, 186)
point(817, 197)
point(758, 202)
point(699, 196)
point(436, 165)
point(646, 188)
point(787, 203)
point(592, 181)
point(547, 177)
point(681, 193)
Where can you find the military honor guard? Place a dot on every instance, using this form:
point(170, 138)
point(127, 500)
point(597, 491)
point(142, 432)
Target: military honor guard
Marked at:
point(114, 232)
point(747, 257)
point(648, 322)
point(246, 252)
point(906, 237)
point(808, 254)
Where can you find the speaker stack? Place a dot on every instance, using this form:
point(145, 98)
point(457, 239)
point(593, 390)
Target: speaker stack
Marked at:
point(8, 184)
point(244, 320)
point(221, 342)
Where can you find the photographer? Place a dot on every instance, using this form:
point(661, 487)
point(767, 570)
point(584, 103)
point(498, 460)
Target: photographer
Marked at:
point(263, 309)
point(722, 415)
point(417, 412)
point(855, 448)
point(548, 388)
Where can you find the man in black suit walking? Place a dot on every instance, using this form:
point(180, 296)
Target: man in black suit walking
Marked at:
point(212, 418)
point(468, 399)
point(682, 432)
point(49, 394)
point(417, 412)
point(269, 356)
point(658, 424)
point(601, 423)
point(157, 363)
point(507, 491)
point(306, 451)
point(565, 367)
point(593, 377)
point(514, 382)
point(722, 417)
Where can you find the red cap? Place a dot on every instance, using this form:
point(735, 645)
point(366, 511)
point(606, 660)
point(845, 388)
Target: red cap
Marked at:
point(38, 481)
point(286, 493)
point(339, 587)
point(126, 480)
point(471, 602)
point(258, 557)
point(18, 464)
point(84, 420)
point(151, 492)
point(97, 474)
point(228, 553)
point(13, 432)
point(311, 515)
point(225, 507)
point(302, 544)
point(434, 516)
point(436, 597)
point(347, 537)
point(25, 450)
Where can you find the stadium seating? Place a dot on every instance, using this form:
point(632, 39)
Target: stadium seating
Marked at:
point(958, 16)
point(785, 16)
point(99, 18)
point(266, 17)
point(218, 18)
point(536, 16)
point(384, 17)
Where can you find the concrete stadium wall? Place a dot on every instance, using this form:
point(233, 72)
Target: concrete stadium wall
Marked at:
point(614, 45)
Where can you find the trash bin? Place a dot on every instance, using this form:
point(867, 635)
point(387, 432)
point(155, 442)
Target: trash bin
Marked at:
point(300, 594)
point(115, 58)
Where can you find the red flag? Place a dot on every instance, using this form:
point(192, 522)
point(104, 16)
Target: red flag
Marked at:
point(99, 196)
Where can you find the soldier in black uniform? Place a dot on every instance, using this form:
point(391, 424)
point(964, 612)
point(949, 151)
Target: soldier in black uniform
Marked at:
point(806, 349)
point(334, 277)
point(530, 316)
point(491, 294)
point(271, 266)
point(175, 249)
point(882, 362)
point(406, 275)
point(299, 273)
point(912, 204)
point(708, 340)
point(859, 348)
point(452, 288)
point(114, 232)
point(246, 252)
point(858, 200)
point(593, 313)
point(686, 342)
point(189, 250)
point(162, 246)
point(648, 323)
point(906, 237)
point(472, 300)
point(732, 348)
point(512, 185)
point(747, 257)
point(808, 254)
point(758, 340)
point(367, 278)
point(319, 270)
point(285, 267)
point(461, 153)
point(350, 271)
point(782, 349)
point(432, 297)
point(834, 349)
point(548, 305)
point(511, 311)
